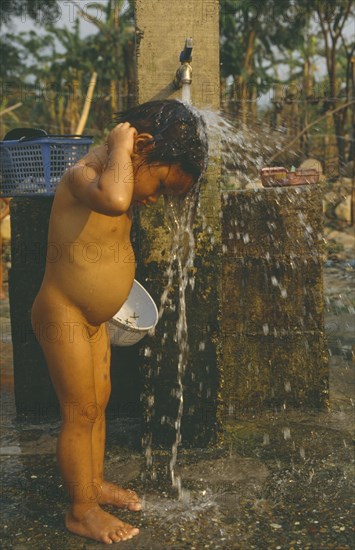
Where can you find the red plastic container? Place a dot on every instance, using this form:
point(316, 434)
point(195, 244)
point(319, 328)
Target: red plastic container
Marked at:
point(279, 176)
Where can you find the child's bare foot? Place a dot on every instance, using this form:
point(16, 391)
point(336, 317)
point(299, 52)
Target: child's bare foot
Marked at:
point(96, 524)
point(122, 498)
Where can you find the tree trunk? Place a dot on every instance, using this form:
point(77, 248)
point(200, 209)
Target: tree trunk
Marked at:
point(245, 78)
point(340, 141)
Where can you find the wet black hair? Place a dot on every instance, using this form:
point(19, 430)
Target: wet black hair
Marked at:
point(178, 130)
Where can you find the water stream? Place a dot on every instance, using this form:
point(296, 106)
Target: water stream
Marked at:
point(186, 94)
point(180, 217)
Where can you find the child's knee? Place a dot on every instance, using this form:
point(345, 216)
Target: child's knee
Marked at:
point(83, 414)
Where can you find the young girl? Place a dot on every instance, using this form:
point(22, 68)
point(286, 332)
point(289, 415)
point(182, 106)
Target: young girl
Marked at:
point(158, 148)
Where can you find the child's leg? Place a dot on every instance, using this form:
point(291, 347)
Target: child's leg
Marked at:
point(109, 492)
point(68, 351)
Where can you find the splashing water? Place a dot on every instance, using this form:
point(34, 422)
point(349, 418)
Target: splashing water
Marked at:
point(243, 154)
point(243, 151)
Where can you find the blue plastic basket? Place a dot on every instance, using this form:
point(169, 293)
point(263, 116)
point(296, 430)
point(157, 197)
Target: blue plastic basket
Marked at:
point(35, 166)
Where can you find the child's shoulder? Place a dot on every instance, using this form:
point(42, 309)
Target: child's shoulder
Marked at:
point(87, 169)
point(96, 157)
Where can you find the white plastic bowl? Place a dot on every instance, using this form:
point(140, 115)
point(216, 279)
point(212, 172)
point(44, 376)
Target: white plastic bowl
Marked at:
point(136, 317)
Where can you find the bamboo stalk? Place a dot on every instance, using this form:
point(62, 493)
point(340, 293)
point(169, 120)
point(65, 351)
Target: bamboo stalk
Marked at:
point(87, 105)
point(12, 108)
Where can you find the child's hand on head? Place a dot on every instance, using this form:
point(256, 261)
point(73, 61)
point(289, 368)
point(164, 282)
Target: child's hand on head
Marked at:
point(122, 136)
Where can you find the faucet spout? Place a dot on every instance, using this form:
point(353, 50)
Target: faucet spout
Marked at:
point(184, 73)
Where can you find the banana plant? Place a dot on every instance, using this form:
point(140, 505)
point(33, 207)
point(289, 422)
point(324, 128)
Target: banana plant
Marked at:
point(109, 48)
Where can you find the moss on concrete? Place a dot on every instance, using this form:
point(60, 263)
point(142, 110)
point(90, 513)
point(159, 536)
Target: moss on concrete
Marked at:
point(274, 350)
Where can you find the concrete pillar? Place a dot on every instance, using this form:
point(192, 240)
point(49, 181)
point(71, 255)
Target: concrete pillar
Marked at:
point(162, 28)
point(274, 351)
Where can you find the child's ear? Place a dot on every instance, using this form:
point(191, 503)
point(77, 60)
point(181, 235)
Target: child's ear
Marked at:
point(143, 144)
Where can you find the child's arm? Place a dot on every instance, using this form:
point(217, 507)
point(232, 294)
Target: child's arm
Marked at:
point(107, 186)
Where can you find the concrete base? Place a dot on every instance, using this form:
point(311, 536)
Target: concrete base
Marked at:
point(34, 393)
point(272, 324)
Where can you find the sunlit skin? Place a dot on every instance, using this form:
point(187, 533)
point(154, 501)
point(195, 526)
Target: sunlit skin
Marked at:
point(4, 211)
point(89, 272)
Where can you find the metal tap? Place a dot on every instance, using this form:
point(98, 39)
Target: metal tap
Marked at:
point(184, 72)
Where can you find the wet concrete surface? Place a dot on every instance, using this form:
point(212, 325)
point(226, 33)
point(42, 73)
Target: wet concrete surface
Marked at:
point(281, 480)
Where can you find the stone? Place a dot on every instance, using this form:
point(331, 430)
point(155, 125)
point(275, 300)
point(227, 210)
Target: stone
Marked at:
point(313, 164)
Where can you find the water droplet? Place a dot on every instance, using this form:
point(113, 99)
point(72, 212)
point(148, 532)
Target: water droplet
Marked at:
point(150, 400)
point(266, 439)
point(286, 433)
point(266, 329)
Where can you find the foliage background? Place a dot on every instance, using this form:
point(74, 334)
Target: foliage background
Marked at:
point(286, 64)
